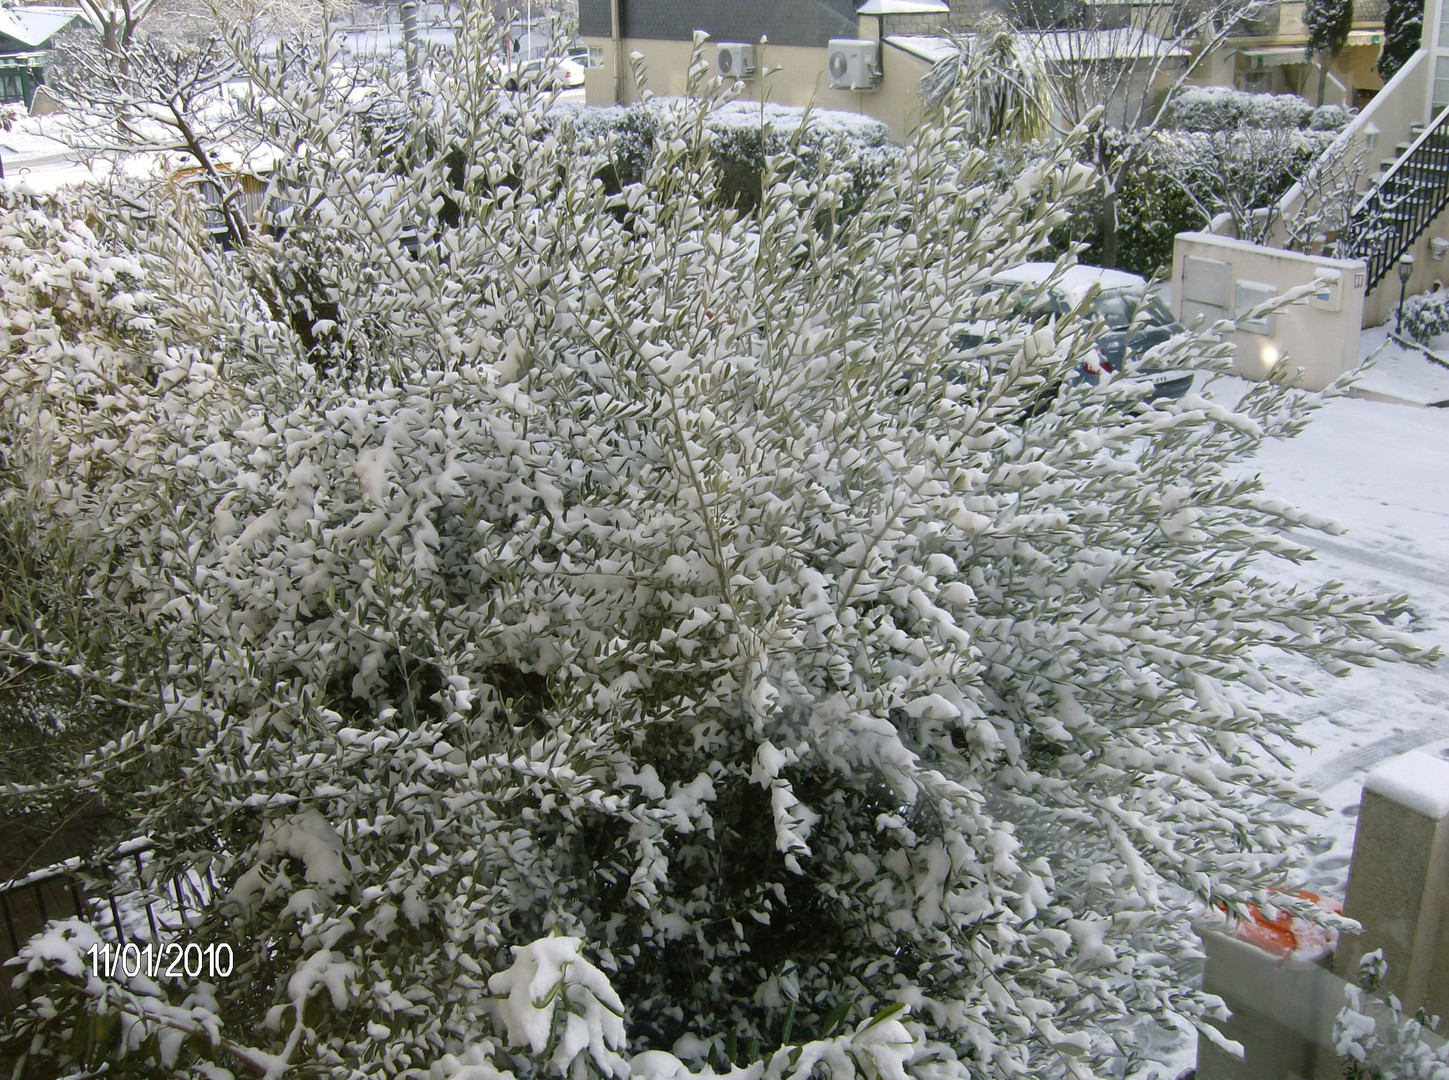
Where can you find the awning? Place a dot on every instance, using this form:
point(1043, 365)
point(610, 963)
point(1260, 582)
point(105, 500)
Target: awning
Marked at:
point(1254, 59)
point(1278, 55)
point(904, 7)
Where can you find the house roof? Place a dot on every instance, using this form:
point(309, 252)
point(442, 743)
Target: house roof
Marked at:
point(904, 7)
point(1123, 43)
point(1062, 46)
point(34, 26)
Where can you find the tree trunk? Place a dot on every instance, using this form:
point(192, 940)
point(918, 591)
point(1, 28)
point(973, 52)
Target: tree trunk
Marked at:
point(1323, 76)
point(1107, 221)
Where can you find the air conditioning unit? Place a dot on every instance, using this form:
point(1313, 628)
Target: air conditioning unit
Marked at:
point(854, 64)
point(733, 60)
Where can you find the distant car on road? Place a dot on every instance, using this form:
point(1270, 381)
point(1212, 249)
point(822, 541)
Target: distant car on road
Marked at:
point(1134, 320)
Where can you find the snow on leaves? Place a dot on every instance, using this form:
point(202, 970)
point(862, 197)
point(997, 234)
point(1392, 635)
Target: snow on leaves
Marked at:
point(653, 582)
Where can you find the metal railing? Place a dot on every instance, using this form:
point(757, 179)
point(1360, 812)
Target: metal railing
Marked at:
point(109, 890)
point(1397, 210)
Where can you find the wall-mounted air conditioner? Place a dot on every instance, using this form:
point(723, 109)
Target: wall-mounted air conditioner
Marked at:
point(733, 60)
point(854, 64)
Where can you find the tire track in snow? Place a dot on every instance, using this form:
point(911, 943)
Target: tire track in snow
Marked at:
point(1346, 766)
point(1401, 573)
point(1397, 566)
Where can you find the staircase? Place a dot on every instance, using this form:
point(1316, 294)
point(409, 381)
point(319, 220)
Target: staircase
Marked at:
point(1407, 196)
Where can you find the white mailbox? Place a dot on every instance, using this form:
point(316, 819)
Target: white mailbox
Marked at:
point(1248, 295)
point(1328, 296)
point(1205, 281)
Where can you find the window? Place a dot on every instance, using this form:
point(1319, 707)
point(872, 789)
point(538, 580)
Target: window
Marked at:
point(1441, 80)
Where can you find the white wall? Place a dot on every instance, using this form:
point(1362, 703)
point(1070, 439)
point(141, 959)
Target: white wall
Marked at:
point(1321, 337)
point(797, 76)
point(1382, 304)
point(1384, 122)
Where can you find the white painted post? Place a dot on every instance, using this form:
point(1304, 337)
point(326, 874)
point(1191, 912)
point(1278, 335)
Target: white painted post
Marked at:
point(1398, 885)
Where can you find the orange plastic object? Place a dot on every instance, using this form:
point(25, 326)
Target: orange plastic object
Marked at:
point(1287, 935)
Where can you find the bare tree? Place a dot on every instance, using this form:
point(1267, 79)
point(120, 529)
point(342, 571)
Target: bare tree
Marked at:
point(1326, 196)
point(1122, 71)
point(165, 99)
point(1244, 172)
point(116, 21)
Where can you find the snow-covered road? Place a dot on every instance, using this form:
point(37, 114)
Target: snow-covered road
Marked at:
point(1382, 470)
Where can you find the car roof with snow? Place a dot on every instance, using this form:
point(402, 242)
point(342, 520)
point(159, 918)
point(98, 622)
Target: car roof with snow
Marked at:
point(1073, 283)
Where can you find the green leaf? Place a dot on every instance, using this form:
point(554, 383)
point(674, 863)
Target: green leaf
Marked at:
point(836, 1017)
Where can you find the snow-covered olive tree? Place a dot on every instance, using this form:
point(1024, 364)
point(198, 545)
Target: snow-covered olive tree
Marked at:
point(626, 636)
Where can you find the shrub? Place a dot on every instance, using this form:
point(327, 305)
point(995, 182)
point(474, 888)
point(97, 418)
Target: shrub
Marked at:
point(649, 647)
point(1218, 108)
point(1374, 1037)
point(741, 135)
point(1403, 31)
point(1427, 315)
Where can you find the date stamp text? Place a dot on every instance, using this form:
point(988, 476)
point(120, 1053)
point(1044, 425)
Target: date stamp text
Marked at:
point(172, 960)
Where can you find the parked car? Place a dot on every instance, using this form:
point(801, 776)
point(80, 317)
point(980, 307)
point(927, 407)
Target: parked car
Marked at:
point(552, 72)
point(1134, 319)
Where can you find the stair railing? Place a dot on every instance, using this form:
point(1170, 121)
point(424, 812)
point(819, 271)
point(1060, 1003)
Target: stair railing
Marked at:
point(1397, 210)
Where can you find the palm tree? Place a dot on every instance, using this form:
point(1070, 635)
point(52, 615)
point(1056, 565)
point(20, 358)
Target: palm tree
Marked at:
point(998, 77)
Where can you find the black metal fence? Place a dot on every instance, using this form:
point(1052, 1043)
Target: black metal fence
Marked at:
point(110, 891)
point(1388, 219)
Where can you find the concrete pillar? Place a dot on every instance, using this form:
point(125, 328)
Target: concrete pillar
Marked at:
point(1398, 885)
point(1283, 1010)
point(1284, 1001)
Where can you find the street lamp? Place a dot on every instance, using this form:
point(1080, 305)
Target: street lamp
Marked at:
point(1406, 268)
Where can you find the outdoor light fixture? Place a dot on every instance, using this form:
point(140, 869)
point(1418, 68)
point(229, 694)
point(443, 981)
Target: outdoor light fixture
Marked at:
point(1406, 268)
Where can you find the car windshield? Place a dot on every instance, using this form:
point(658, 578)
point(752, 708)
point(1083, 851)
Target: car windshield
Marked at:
point(1118, 307)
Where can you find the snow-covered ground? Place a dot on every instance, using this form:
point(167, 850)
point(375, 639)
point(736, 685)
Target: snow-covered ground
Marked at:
point(1378, 467)
point(1377, 464)
point(37, 159)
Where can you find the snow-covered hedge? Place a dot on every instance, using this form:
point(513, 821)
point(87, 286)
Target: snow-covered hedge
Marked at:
point(740, 135)
point(1375, 1038)
point(1427, 315)
point(639, 642)
point(1219, 108)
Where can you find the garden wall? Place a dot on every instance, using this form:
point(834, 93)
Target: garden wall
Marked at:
point(1218, 278)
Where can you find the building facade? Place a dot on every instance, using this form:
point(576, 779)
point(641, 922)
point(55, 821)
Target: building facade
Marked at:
point(790, 44)
point(26, 34)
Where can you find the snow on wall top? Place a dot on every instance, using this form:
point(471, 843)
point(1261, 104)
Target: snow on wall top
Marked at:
point(746, 114)
point(933, 49)
point(903, 7)
point(1059, 46)
point(1416, 780)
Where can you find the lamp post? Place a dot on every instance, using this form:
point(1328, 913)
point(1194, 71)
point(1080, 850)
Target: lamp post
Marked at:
point(1406, 269)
